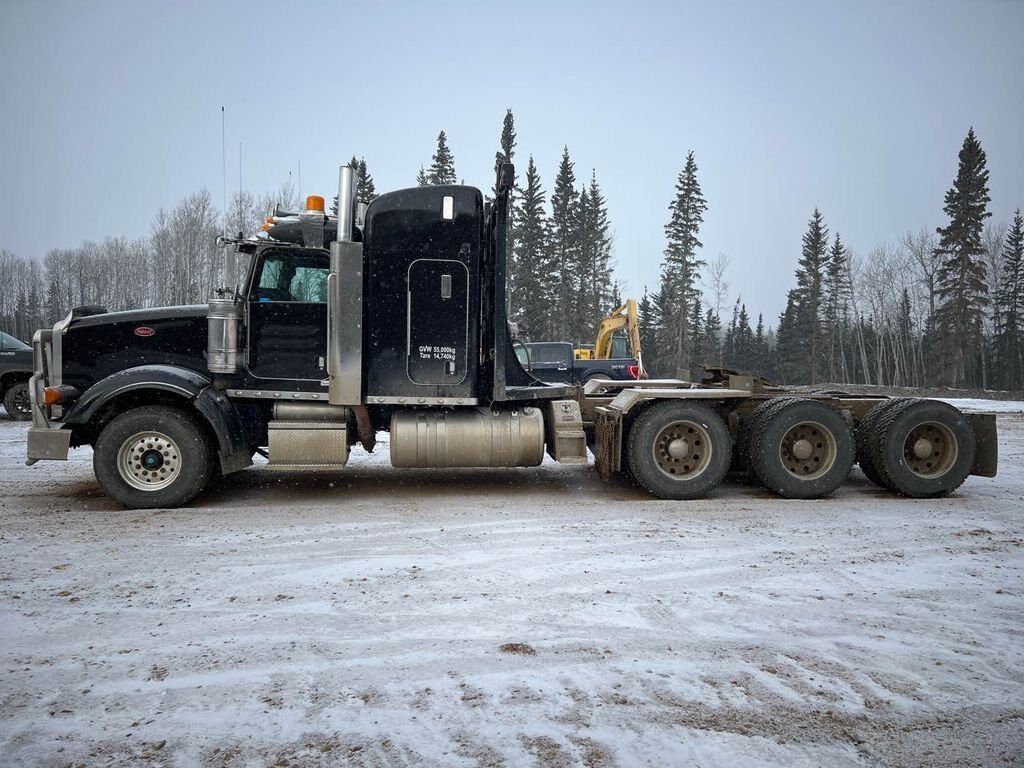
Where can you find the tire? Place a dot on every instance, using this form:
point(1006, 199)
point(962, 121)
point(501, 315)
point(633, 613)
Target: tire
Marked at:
point(863, 432)
point(801, 449)
point(751, 424)
point(17, 401)
point(922, 448)
point(153, 457)
point(678, 450)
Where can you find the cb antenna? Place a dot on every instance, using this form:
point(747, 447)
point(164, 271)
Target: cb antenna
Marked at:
point(224, 169)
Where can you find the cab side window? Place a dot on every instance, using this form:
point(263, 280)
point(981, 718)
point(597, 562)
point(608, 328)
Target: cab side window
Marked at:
point(297, 277)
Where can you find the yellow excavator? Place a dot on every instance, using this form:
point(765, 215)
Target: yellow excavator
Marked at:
point(618, 336)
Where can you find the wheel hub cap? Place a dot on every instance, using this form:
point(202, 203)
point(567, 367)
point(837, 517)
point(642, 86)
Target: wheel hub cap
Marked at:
point(678, 448)
point(152, 460)
point(923, 448)
point(802, 449)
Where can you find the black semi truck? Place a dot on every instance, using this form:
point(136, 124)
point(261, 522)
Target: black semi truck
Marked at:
point(393, 318)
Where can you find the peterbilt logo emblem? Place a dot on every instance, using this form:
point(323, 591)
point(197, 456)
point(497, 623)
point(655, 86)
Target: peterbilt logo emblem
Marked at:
point(144, 330)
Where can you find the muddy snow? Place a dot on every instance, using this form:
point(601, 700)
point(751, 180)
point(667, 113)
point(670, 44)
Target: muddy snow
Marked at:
point(508, 617)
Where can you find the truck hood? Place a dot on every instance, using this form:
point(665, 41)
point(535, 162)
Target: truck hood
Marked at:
point(141, 317)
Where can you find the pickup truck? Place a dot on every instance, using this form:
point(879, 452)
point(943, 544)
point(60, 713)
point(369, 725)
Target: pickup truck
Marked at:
point(555, 362)
point(15, 370)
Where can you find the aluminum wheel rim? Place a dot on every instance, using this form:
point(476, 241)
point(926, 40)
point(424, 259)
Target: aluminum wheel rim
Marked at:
point(22, 402)
point(808, 450)
point(149, 461)
point(930, 450)
point(682, 450)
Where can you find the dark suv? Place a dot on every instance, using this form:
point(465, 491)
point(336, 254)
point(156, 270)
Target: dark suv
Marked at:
point(15, 370)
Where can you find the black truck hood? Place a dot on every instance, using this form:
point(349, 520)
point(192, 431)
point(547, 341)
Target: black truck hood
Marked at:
point(96, 346)
point(141, 316)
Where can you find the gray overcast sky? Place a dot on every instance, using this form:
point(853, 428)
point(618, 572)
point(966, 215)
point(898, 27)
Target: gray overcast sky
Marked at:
point(110, 110)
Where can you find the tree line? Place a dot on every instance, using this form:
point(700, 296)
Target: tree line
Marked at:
point(942, 307)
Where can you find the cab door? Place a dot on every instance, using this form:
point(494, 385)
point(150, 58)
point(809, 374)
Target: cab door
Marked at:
point(287, 316)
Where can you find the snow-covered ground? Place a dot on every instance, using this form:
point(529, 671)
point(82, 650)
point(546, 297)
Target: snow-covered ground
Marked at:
point(497, 617)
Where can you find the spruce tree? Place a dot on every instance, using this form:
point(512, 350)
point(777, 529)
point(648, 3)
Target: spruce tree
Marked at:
point(743, 341)
point(837, 302)
point(1009, 336)
point(662, 333)
point(902, 357)
point(421, 178)
point(759, 361)
point(365, 189)
point(790, 346)
point(593, 288)
point(599, 241)
point(507, 152)
point(532, 282)
point(709, 338)
point(564, 244)
point(681, 265)
point(810, 279)
point(645, 320)
point(960, 280)
point(442, 166)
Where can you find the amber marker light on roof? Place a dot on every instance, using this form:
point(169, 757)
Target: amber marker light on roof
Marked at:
point(315, 203)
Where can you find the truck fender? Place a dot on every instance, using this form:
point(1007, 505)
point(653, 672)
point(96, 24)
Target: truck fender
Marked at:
point(214, 407)
point(218, 411)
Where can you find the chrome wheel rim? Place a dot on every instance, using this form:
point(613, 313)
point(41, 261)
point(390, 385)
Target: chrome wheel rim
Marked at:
point(149, 461)
point(930, 450)
point(808, 450)
point(682, 450)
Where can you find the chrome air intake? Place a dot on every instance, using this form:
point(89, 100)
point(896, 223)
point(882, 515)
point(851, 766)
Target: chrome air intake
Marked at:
point(222, 323)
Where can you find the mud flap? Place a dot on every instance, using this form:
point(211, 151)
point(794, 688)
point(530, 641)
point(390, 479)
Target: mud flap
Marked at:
point(608, 437)
point(986, 456)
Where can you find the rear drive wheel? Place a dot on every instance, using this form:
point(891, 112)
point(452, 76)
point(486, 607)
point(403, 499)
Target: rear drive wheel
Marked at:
point(153, 456)
point(863, 435)
point(922, 448)
point(801, 449)
point(17, 401)
point(678, 450)
point(750, 425)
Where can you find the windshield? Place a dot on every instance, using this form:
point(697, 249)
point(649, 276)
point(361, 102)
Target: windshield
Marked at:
point(9, 342)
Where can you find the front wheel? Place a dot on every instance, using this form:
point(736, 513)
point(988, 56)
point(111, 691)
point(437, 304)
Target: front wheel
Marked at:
point(153, 456)
point(17, 401)
point(678, 450)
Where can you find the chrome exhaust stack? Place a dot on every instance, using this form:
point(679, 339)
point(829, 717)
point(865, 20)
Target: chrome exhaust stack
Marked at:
point(345, 302)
